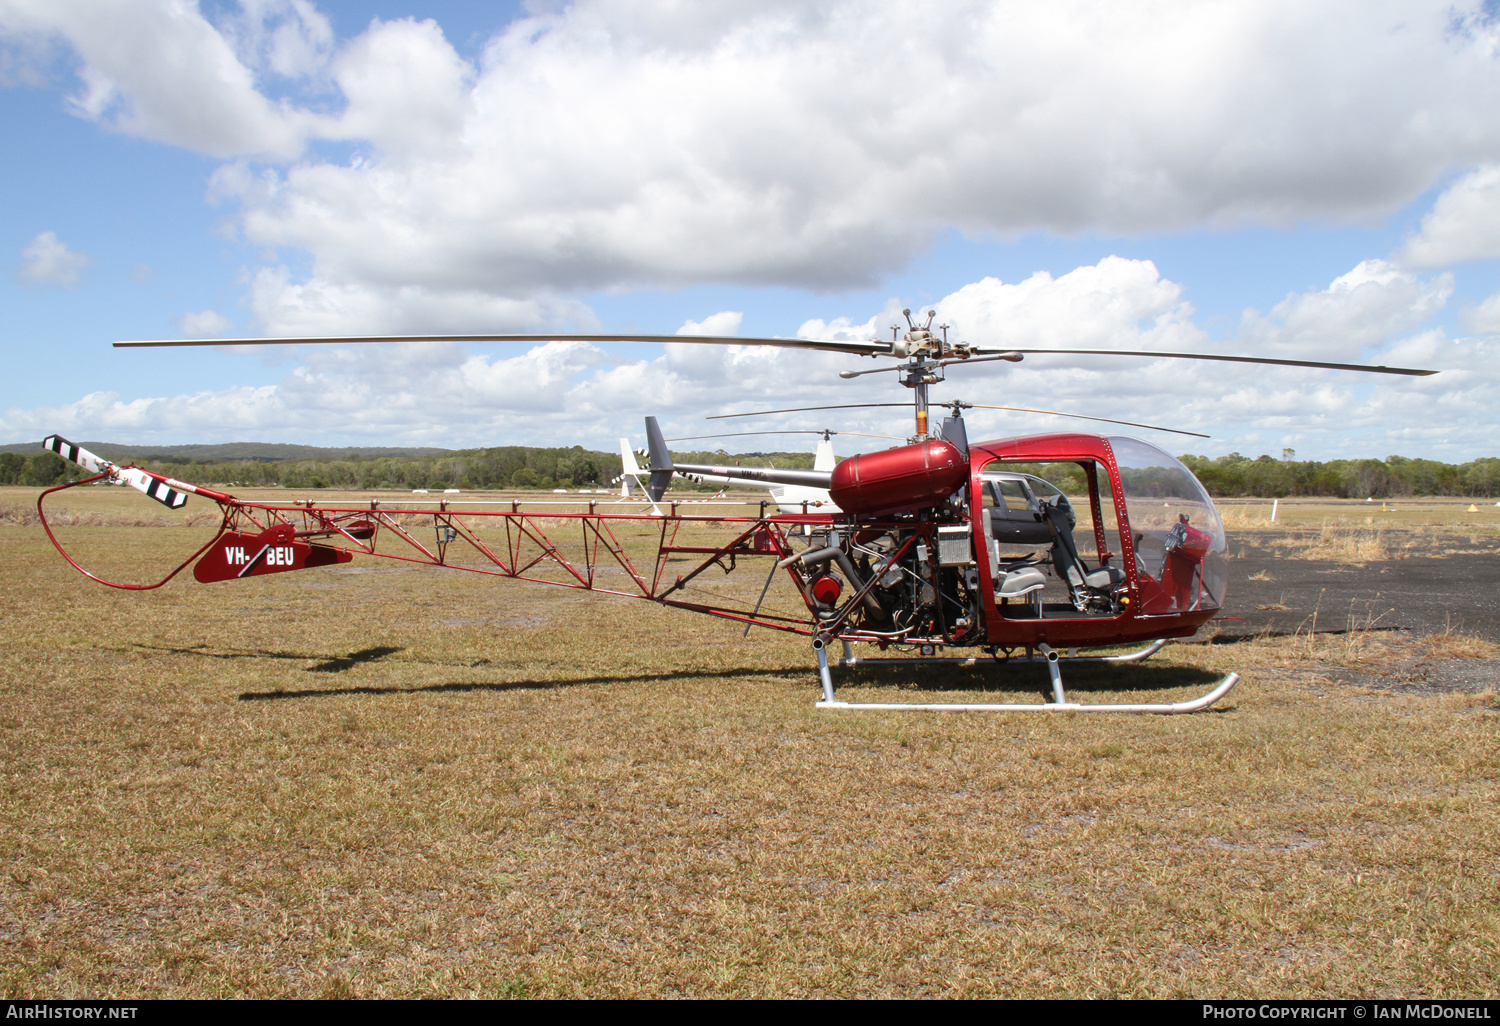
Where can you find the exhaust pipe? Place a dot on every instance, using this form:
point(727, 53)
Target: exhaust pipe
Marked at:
point(836, 553)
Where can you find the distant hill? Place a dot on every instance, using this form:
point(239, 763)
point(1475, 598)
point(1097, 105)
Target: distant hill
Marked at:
point(269, 452)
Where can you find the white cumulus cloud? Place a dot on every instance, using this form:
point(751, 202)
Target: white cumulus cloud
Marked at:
point(159, 69)
point(1464, 223)
point(203, 324)
point(47, 260)
point(1363, 308)
point(725, 322)
point(605, 145)
point(1484, 318)
point(321, 307)
point(291, 38)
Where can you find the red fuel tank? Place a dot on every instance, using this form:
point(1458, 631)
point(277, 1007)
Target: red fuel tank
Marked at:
point(897, 480)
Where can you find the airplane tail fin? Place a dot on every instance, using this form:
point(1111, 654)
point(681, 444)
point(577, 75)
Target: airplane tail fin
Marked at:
point(627, 458)
point(825, 460)
point(630, 470)
point(631, 475)
point(661, 461)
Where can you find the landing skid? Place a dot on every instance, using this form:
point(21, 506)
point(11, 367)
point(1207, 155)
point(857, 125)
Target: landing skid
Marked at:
point(1046, 653)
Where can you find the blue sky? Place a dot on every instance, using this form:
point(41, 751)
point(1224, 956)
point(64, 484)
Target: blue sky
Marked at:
point(1261, 178)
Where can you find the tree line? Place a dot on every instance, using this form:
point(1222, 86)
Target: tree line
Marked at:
point(1393, 477)
point(510, 466)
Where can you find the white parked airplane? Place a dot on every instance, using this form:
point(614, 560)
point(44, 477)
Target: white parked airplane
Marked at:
point(632, 476)
point(789, 497)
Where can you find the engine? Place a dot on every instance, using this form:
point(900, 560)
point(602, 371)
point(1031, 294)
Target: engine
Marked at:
point(926, 594)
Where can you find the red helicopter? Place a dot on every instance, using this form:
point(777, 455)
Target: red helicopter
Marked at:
point(938, 544)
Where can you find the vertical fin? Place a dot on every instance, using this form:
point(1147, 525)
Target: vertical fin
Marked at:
point(825, 460)
point(627, 458)
point(630, 471)
point(954, 432)
point(661, 461)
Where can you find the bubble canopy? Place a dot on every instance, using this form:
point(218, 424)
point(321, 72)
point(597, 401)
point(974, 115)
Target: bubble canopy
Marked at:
point(1161, 494)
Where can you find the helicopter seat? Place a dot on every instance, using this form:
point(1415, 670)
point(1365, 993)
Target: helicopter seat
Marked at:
point(1104, 577)
point(1021, 581)
point(1084, 585)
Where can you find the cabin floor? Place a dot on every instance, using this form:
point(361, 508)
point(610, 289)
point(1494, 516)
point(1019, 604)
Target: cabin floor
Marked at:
point(1057, 603)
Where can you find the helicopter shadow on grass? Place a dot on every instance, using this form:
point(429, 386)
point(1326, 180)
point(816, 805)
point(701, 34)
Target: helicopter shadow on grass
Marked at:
point(323, 664)
point(1023, 677)
point(1270, 634)
point(338, 664)
point(522, 685)
point(1026, 677)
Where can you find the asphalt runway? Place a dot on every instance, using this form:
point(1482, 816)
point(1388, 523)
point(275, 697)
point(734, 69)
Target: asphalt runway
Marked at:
point(1411, 597)
point(1419, 595)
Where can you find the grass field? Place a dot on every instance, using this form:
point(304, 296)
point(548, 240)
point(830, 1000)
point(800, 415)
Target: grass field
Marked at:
point(387, 781)
point(1356, 532)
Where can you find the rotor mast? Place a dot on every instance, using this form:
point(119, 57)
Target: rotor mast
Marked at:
point(921, 368)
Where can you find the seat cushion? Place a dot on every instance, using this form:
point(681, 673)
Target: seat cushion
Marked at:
point(1021, 581)
point(1104, 577)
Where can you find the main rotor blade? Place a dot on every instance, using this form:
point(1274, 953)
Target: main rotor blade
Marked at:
point(871, 348)
point(793, 431)
point(806, 409)
point(1379, 369)
point(1080, 416)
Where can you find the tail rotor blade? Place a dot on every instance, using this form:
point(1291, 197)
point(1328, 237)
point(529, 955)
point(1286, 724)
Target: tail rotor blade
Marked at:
point(77, 454)
point(141, 480)
point(155, 487)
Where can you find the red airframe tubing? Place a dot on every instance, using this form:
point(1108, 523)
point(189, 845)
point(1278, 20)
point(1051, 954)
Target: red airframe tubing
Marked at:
point(95, 577)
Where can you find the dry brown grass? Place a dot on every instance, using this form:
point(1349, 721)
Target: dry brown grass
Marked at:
point(1448, 514)
point(1340, 544)
point(1455, 643)
point(1353, 543)
point(1348, 531)
point(1359, 639)
point(412, 783)
point(1242, 517)
point(24, 516)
